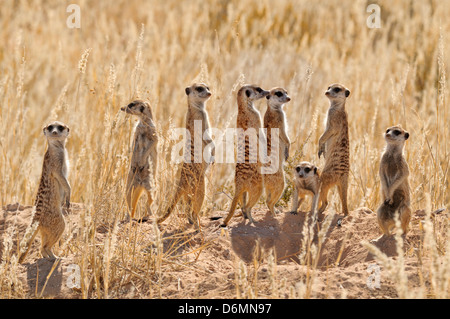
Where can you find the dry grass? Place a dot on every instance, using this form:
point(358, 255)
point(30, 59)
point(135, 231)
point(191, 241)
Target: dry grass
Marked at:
point(154, 49)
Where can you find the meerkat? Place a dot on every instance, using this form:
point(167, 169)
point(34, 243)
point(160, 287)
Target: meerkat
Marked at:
point(334, 145)
point(394, 174)
point(275, 118)
point(53, 193)
point(248, 178)
point(307, 182)
point(144, 159)
point(191, 185)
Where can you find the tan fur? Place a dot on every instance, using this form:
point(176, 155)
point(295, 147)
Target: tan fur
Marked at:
point(307, 182)
point(144, 158)
point(191, 185)
point(54, 191)
point(334, 145)
point(248, 178)
point(395, 190)
point(275, 118)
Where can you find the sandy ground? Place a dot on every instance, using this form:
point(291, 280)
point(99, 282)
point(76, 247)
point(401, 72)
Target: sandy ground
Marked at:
point(213, 257)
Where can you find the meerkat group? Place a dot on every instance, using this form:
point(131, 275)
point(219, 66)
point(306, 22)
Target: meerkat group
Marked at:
point(54, 191)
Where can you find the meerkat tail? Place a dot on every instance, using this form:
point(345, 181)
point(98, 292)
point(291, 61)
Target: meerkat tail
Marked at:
point(175, 200)
point(232, 208)
point(28, 244)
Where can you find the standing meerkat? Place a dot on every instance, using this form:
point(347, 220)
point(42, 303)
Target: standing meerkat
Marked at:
point(248, 178)
point(306, 178)
point(275, 118)
point(144, 158)
point(191, 185)
point(53, 193)
point(334, 145)
point(395, 190)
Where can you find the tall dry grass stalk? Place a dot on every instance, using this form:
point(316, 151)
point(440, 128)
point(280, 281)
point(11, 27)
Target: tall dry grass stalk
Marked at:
point(397, 74)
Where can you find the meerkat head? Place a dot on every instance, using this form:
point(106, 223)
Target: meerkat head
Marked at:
point(198, 93)
point(337, 93)
point(306, 170)
point(250, 93)
point(138, 108)
point(396, 135)
point(277, 98)
point(56, 131)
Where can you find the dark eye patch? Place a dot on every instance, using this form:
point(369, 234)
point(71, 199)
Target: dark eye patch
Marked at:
point(397, 132)
point(297, 169)
point(307, 170)
point(278, 93)
point(388, 131)
point(259, 90)
point(50, 128)
point(60, 128)
point(337, 90)
point(199, 89)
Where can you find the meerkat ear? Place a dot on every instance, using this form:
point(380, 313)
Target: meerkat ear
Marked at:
point(315, 170)
point(188, 91)
point(406, 135)
point(347, 93)
point(142, 109)
point(248, 93)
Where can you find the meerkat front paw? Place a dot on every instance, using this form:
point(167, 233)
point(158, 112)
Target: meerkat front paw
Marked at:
point(321, 150)
point(294, 212)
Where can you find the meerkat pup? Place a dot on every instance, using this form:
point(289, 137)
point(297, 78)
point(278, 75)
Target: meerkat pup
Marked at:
point(248, 178)
point(394, 173)
point(53, 193)
point(275, 118)
point(144, 160)
point(306, 183)
point(191, 185)
point(334, 145)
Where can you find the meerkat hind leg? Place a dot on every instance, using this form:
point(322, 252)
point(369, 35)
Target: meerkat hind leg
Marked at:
point(197, 203)
point(252, 200)
point(342, 188)
point(405, 217)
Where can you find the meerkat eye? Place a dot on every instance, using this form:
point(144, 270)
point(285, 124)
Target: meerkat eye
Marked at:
point(278, 93)
point(259, 90)
point(297, 169)
point(50, 128)
point(307, 170)
point(60, 128)
point(397, 132)
point(337, 90)
point(388, 131)
point(208, 88)
point(199, 89)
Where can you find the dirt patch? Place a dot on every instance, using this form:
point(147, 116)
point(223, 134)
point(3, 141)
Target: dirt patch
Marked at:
point(212, 257)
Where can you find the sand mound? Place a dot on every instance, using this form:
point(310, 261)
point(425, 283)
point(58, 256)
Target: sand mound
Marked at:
point(212, 257)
